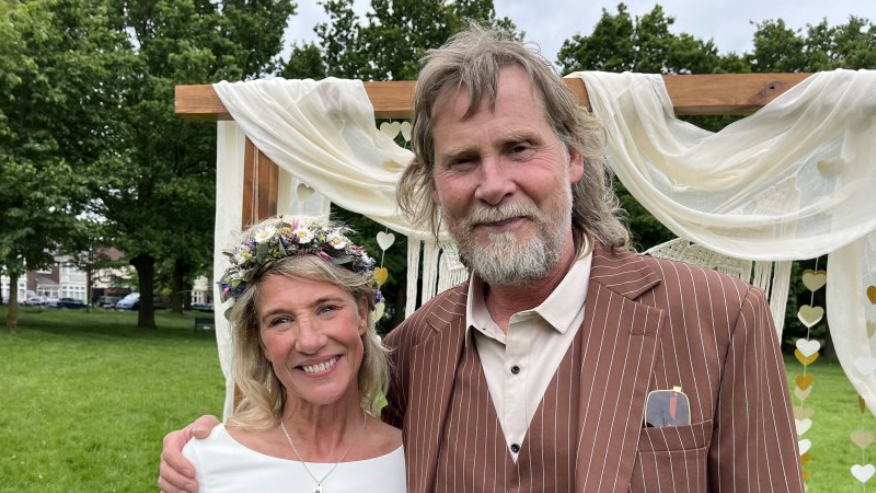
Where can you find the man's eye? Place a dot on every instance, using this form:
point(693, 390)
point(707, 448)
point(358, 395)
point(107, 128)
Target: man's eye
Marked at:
point(518, 149)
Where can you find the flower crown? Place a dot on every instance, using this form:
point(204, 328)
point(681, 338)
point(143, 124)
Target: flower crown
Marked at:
point(272, 243)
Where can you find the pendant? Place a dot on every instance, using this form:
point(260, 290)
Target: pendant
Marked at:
point(318, 489)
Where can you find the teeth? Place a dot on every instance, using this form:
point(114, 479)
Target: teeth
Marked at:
point(320, 367)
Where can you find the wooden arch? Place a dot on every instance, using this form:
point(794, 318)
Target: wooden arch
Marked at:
point(719, 94)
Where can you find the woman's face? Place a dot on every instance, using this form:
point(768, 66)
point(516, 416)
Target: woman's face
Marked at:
point(311, 332)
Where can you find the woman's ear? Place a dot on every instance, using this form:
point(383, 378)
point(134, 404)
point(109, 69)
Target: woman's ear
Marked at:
point(364, 314)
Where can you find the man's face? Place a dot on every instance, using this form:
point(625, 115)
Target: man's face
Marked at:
point(502, 179)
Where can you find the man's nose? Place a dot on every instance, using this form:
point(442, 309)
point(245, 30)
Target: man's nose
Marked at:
point(495, 182)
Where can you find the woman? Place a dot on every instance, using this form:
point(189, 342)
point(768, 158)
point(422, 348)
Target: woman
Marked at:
point(310, 369)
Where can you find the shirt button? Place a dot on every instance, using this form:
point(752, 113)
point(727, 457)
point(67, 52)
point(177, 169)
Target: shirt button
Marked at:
point(515, 369)
point(515, 448)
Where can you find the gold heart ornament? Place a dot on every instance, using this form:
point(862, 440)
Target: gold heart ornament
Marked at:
point(871, 294)
point(805, 381)
point(810, 315)
point(803, 412)
point(862, 438)
point(814, 279)
point(803, 359)
point(381, 274)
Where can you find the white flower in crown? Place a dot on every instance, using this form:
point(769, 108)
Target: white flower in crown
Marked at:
point(265, 234)
point(242, 256)
point(302, 234)
point(336, 240)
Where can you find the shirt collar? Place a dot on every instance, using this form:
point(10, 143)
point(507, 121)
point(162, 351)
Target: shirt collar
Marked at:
point(560, 309)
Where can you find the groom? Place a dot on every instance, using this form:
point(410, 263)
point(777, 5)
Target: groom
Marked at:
point(567, 362)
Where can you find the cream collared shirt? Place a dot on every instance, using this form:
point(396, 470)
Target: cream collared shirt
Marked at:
point(519, 365)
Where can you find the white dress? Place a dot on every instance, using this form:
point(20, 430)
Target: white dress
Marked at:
point(224, 465)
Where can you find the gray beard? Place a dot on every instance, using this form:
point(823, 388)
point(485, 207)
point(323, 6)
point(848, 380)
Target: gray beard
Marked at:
point(506, 261)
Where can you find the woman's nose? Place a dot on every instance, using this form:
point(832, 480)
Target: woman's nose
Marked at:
point(310, 339)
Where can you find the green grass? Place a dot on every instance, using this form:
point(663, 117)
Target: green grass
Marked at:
point(837, 415)
point(85, 399)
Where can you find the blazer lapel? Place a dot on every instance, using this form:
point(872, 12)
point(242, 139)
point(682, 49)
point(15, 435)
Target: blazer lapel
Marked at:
point(620, 342)
point(434, 362)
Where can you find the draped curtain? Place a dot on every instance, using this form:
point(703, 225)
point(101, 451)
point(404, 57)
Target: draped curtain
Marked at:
point(794, 181)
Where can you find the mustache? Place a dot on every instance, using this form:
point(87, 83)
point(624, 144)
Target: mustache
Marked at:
point(495, 214)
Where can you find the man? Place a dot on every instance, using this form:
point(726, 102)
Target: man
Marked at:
point(568, 362)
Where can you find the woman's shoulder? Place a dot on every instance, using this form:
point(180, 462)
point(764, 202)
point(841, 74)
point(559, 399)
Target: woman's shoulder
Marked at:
point(380, 439)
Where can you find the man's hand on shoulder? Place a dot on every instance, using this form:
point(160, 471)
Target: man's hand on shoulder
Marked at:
point(176, 473)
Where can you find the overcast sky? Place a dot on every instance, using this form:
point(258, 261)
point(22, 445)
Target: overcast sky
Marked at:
point(549, 22)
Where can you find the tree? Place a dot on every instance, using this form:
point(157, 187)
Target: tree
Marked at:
point(395, 36)
point(159, 194)
point(58, 61)
point(644, 44)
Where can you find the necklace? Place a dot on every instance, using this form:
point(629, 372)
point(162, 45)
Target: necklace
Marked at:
point(319, 482)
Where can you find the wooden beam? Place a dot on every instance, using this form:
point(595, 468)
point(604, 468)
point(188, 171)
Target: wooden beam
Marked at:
point(719, 94)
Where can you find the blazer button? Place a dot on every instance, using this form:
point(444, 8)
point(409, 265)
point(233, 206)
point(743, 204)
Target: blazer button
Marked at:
point(515, 448)
point(515, 369)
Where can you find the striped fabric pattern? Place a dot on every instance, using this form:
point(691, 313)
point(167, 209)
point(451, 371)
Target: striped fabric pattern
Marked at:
point(649, 324)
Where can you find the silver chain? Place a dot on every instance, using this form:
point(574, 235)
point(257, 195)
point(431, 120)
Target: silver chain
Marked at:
point(304, 463)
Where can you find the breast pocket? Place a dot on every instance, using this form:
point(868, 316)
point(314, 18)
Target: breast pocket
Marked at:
point(672, 458)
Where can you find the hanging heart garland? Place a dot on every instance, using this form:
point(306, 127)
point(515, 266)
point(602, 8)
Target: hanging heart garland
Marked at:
point(863, 438)
point(806, 353)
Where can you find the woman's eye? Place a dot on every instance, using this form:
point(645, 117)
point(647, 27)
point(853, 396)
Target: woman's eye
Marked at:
point(274, 322)
point(328, 309)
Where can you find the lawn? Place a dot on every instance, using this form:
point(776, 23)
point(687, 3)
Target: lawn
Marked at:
point(85, 399)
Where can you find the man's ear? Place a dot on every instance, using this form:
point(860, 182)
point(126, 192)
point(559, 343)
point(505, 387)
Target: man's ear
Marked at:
point(576, 166)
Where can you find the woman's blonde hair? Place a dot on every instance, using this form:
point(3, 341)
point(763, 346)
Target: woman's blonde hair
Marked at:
point(262, 396)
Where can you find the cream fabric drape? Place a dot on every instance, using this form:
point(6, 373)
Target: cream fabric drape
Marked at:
point(793, 181)
point(796, 180)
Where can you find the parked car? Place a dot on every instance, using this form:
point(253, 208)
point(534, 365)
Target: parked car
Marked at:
point(37, 300)
point(203, 307)
point(52, 302)
point(108, 301)
point(70, 303)
point(130, 302)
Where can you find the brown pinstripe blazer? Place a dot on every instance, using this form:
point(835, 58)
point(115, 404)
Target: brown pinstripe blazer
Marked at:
point(649, 324)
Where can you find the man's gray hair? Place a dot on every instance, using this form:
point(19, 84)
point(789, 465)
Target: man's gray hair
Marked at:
point(470, 62)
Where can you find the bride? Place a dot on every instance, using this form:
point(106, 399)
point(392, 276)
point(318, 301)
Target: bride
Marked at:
point(310, 369)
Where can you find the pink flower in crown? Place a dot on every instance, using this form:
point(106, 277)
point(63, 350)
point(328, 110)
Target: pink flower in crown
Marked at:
point(302, 234)
point(336, 239)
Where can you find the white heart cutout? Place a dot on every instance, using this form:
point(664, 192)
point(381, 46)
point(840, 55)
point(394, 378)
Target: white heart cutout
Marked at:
point(385, 240)
point(863, 473)
point(805, 445)
point(390, 129)
point(865, 365)
point(304, 192)
point(808, 347)
point(803, 426)
point(406, 130)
